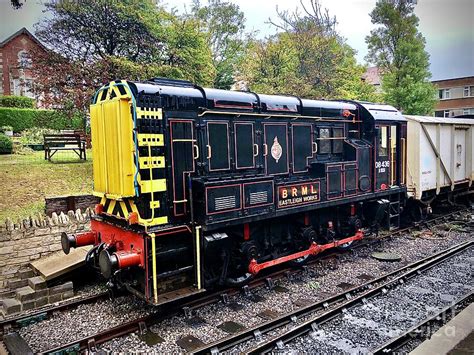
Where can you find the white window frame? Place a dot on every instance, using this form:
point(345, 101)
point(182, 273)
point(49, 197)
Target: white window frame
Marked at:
point(445, 94)
point(16, 83)
point(468, 91)
point(446, 113)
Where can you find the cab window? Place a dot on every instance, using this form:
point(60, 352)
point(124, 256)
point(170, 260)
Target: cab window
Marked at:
point(383, 141)
point(324, 141)
point(338, 140)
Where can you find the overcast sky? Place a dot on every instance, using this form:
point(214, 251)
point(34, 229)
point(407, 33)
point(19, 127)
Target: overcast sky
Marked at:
point(448, 26)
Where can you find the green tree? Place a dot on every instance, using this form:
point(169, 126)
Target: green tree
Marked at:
point(398, 49)
point(224, 24)
point(306, 58)
point(90, 30)
point(92, 42)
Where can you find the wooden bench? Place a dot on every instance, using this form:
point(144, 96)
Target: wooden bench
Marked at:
point(64, 141)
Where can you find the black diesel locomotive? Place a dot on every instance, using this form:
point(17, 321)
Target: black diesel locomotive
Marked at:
point(201, 187)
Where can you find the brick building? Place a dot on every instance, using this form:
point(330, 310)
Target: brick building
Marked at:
point(372, 76)
point(456, 97)
point(15, 63)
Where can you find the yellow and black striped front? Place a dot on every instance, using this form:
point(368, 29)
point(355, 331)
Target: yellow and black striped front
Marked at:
point(128, 155)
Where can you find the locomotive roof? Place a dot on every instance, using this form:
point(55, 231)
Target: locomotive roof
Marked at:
point(242, 100)
point(380, 112)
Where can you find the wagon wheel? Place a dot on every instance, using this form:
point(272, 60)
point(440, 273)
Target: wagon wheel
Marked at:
point(418, 213)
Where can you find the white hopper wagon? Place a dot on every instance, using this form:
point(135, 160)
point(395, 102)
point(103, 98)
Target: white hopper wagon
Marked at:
point(439, 156)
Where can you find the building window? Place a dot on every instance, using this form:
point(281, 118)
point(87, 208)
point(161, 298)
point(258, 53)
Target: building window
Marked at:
point(446, 113)
point(24, 60)
point(444, 94)
point(468, 91)
point(439, 113)
point(16, 87)
point(468, 111)
point(23, 87)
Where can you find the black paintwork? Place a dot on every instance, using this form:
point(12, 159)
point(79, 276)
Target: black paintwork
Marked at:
point(229, 128)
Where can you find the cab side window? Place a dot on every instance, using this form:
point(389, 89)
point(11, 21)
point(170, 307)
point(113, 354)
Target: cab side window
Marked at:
point(338, 140)
point(324, 141)
point(383, 141)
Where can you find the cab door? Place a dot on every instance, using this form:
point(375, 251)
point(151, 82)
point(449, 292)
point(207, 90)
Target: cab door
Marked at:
point(184, 152)
point(382, 161)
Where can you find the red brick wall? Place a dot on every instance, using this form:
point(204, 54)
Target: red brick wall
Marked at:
point(451, 83)
point(9, 59)
point(460, 103)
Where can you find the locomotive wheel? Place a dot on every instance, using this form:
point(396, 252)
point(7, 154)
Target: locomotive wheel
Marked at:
point(239, 281)
point(346, 246)
point(300, 261)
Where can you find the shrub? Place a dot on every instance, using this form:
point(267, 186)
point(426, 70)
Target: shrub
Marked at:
point(35, 135)
point(17, 101)
point(6, 145)
point(22, 118)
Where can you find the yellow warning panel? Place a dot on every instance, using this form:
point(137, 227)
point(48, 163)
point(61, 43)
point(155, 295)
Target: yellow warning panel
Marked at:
point(112, 147)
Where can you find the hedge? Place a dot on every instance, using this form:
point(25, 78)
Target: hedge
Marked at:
point(17, 101)
point(22, 118)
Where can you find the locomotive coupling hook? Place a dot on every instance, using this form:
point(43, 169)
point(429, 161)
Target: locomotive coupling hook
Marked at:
point(69, 241)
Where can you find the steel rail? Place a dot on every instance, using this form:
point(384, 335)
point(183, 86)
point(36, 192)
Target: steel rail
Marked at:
point(308, 325)
point(42, 314)
point(176, 307)
point(398, 342)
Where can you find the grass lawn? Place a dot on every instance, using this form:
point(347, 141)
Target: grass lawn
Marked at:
point(25, 180)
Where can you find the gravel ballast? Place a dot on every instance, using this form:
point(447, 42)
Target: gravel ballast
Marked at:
point(316, 283)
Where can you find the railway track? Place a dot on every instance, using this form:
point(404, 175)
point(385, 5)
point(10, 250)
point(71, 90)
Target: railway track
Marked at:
point(316, 323)
point(141, 324)
point(424, 329)
point(25, 319)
